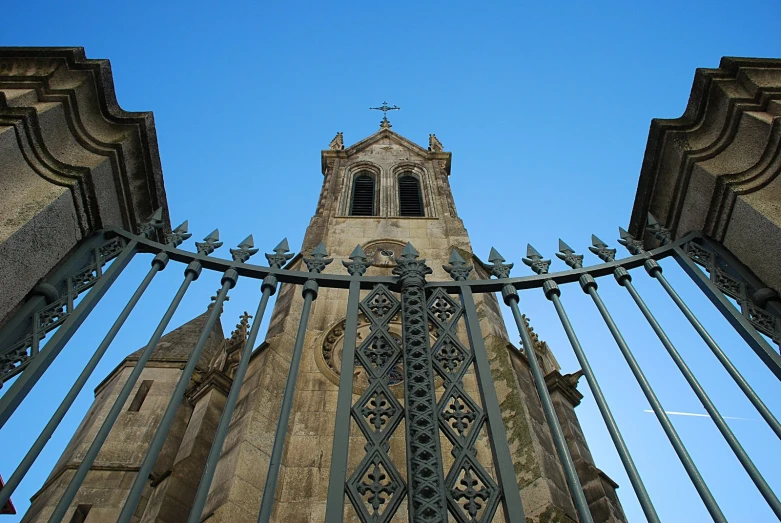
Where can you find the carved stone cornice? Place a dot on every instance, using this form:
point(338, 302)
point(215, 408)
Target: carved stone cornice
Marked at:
point(709, 169)
point(33, 79)
point(566, 385)
point(73, 162)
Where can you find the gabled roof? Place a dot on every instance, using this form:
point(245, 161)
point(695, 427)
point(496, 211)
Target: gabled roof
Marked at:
point(377, 137)
point(177, 345)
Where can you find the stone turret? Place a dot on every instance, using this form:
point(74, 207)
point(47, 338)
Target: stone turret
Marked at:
point(182, 458)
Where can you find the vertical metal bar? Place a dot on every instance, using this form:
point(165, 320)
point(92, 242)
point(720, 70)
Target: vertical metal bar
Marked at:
point(158, 264)
point(334, 511)
point(272, 476)
point(552, 292)
point(625, 280)
point(719, 353)
point(589, 286)
point(269, 287)
point(510, 296)
point(505, 471)
point(25, 382)
point(228, 281)
point(739, 322)
point(191, 273)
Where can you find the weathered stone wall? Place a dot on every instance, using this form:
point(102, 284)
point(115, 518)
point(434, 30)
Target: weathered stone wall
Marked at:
point(181, 460)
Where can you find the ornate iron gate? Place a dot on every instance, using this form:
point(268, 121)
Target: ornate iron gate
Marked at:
point(465, 490)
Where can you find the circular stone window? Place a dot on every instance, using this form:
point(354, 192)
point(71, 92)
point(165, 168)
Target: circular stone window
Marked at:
point(333, 344)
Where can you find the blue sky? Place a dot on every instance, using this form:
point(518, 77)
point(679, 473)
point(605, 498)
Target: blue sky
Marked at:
point(546, 108)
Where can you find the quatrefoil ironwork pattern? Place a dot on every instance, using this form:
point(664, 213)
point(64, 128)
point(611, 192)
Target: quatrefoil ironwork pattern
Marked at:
point(376, 488)
point(736, 287)
point(14, 359)
point(472, 495)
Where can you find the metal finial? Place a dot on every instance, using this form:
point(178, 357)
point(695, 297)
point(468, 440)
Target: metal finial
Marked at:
point(602, 250)
point(534, 260)
point(494, 256)
point(210, 243)
point(245, 250)
point(497, 267)
point(280, 256)
point(358, 264)
point(319, 259)
point(568, 256)
point(458, 269)
point(385, 123)
point(627, 240)
point(154, 222)
point(282, 247)
point(178, 235)
point(409, 251)
point(659, 231)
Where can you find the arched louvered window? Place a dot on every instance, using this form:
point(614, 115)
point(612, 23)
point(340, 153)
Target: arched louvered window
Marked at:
point(363, 196)
point(410, 199)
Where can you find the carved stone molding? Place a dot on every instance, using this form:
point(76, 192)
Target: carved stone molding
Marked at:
point(71, 162)
point(715, 169)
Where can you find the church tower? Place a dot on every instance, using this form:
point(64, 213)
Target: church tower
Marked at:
point(381, 193)
point(384, 194)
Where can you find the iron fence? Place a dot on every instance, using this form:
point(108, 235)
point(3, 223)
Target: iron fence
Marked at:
point(465, 489)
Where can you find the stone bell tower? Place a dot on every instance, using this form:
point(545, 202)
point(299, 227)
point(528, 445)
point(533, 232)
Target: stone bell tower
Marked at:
point(381, 193)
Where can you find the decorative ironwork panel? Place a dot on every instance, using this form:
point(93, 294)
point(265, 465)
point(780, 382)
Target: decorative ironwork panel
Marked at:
point(472, 494)
point(376, 488)
point(17, 356)
point(727, 278)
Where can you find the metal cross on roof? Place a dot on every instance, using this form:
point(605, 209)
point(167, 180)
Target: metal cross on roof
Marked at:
point(385, 123)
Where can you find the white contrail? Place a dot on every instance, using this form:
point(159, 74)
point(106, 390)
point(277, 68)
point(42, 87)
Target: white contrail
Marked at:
point(697, 415)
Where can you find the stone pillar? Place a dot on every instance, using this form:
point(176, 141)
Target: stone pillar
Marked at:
point(715, 169)
point(71, 162)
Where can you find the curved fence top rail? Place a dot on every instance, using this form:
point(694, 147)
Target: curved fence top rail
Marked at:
point(367, 282)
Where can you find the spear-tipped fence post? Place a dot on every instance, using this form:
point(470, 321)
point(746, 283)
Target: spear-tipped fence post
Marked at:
point(510, 295)
point(179, 235)
point(505, 473)
point(601, 249)
point(158, 264)
point(268, 288)
point(660, 232)
point(228, 281)
point(334, 512)
point(589, 286)
point(553, 293)
point(568, 256)
point(315, 264)
point(191, 272)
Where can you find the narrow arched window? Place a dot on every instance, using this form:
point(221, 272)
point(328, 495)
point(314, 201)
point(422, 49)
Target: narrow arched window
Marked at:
point(410, 199)
point(363, 196)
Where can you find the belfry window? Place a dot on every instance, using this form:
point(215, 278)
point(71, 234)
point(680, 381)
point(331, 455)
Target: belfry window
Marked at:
point(363, 196)
point(410, 199)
